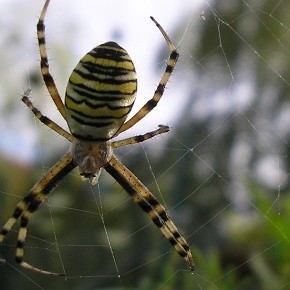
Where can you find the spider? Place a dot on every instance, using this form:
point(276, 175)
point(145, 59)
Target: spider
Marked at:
point(99, 96)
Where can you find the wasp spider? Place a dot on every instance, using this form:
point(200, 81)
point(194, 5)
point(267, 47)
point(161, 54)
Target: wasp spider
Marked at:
point(99, 96)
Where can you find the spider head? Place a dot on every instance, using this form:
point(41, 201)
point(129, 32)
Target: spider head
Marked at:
point(90, 158)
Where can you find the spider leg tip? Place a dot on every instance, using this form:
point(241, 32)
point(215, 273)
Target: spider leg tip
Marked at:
point(153, 19)
point(165, 127)
point(27, 93)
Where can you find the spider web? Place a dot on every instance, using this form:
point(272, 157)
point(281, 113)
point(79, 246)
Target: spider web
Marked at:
point(222, 171)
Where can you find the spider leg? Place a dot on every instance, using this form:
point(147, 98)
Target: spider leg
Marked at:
point(30, 203)
point(47, 77)
point(140, 138)
point(149, 204)
point(161, 86)
point(43, 119)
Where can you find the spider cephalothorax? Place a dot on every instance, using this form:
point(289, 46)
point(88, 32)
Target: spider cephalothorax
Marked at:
point(91, 157)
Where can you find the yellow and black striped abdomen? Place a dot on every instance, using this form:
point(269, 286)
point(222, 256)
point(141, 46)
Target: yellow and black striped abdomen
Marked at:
point(100, 93)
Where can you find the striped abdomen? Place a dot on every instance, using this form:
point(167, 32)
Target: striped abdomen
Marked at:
point(100, 93)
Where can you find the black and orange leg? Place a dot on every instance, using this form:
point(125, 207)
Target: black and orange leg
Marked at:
point(47, 77)
point(149, 204)
point(148, 107)
point(30, 204)
point(140, 138)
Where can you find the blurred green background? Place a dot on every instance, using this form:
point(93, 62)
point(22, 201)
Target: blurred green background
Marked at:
point(222, 171)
